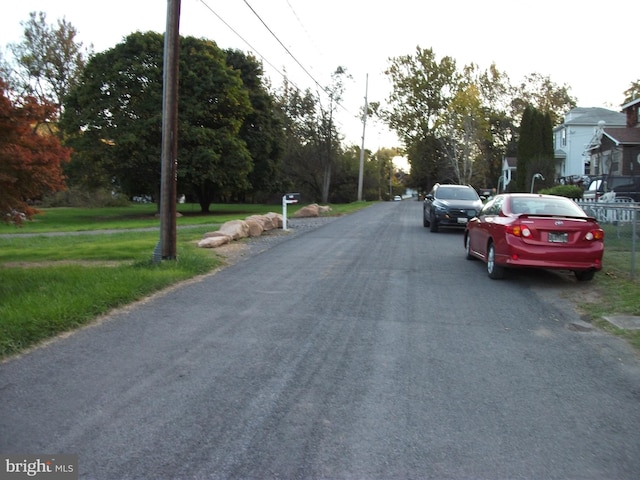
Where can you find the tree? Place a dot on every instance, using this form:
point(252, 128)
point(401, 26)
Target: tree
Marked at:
point(115, 115)
point(312, 144)
point(30, 158)
point(328, 135)
point(632, 92)
point(465, 129)
point(262, 129)
point(535, 149)
point(542, 93)
point(422, 91)
point(48, 60)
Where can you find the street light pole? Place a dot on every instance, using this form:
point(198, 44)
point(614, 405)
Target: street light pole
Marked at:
point(364, 124)
point(537, 176)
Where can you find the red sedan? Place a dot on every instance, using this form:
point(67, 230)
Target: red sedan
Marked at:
point(535, 231)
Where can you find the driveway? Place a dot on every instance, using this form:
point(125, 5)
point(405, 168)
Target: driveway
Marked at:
point(365, 348)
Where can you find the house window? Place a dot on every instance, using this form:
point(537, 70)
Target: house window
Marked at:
point(564, 137)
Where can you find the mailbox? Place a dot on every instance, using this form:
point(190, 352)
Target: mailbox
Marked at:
point(292, 197)
point(288, 198)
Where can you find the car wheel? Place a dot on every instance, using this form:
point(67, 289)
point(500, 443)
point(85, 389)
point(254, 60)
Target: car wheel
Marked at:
point(467, 247)
point(496, 272)
point(584, 275)
point(425, 222)
point(433, 224)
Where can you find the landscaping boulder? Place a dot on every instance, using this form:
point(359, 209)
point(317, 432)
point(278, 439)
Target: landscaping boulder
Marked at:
point(214, 241)
point(236, 229)
point(256, 225)
point(252, 226)
point(312, 210)
point(275, 218)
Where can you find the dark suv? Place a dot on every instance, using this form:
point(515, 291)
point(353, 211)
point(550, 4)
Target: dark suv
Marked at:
point(450, 206)
point(622, 185)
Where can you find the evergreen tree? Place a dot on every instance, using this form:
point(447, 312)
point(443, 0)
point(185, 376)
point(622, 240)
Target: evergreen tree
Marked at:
point(526, 149)
point(535, 150)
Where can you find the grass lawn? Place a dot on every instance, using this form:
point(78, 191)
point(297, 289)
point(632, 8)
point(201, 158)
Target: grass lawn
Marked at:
point(53, 284)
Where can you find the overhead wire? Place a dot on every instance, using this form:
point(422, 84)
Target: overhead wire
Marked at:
point(251, 47)
point(304, 69)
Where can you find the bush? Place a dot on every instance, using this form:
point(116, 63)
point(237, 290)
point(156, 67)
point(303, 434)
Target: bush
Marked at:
point(76, 197)
point(569, 191)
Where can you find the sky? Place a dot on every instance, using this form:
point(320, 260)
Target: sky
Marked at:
point(589, 47)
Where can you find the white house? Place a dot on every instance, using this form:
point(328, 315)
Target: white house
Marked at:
point(574, 134)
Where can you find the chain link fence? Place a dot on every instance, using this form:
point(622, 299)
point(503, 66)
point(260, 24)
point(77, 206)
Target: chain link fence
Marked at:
point(619, 219)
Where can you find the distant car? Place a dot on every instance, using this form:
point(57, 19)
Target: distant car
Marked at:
point(450, 206)
point(535, 231)
point(397, 198)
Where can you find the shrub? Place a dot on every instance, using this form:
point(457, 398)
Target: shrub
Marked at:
point(569, 191)
point(76, 197)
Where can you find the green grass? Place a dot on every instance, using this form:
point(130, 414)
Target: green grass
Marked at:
point(53, 284)
point(616, 292)
point(69, 219)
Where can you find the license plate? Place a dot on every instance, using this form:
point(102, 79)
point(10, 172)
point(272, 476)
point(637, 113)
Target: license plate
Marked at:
point(463, 220)
point(558, 237)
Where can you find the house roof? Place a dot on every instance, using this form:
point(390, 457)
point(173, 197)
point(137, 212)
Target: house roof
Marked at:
point(623, 136)
point(512, 162)
point(559, 153)
point(593, 115)
point(631, 103)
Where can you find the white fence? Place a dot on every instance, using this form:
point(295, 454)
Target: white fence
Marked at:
point(612, 211)
point(622, 213)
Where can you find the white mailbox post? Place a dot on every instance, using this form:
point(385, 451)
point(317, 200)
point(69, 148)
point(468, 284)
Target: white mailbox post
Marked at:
point(287, 199)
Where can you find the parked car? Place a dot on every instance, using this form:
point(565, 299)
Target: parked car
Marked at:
point(397, 198)
point(535, 231)
point(624, 186)
point(450, 206)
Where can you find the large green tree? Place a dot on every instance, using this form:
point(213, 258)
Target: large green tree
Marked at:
point(422, 89)
point(114, 117)
point(262, 130)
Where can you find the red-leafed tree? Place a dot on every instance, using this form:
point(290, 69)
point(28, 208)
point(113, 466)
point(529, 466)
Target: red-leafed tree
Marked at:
point(30, 162)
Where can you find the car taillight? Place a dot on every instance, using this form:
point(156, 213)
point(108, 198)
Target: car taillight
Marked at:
point(596, 234)
point(519, 230)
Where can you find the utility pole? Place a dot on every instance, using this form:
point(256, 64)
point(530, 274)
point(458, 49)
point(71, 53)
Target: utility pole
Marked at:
point(364, 124)
point(166, 249)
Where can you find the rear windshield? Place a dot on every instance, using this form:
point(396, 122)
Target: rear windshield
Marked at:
point(546, 206)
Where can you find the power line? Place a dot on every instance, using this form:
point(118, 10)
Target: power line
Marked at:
point(251, 47)
point(328, 93)
point(285, 48)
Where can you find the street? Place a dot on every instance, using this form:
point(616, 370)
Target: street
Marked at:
point(367, 348)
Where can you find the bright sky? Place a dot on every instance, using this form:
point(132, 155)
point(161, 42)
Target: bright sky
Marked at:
point(592, 48)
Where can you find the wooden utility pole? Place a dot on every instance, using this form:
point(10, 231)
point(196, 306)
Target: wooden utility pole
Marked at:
point(167, 245)
point(364, 124)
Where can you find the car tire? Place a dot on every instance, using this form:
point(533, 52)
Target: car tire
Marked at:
point(467, 247)
point(496, 272)
point(584, 275)
point(433, 224)
point(425, 222)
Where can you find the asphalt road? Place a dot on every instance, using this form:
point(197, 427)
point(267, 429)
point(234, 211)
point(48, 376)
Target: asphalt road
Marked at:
point(367, 348)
